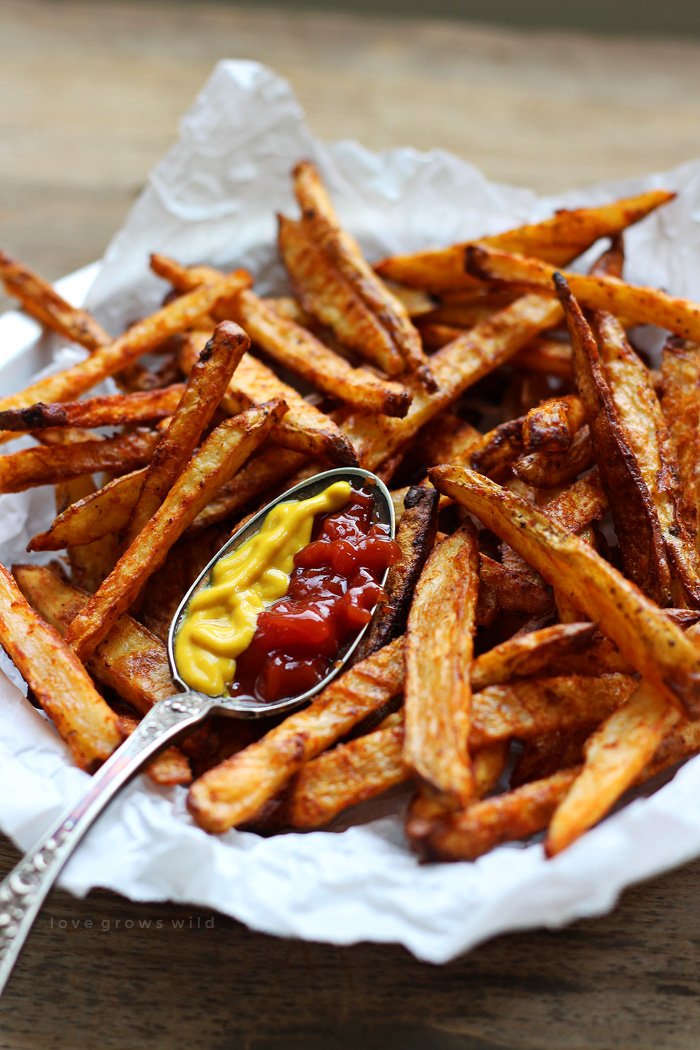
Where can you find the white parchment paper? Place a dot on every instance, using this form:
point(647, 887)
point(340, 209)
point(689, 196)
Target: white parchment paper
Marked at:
point(213, 198)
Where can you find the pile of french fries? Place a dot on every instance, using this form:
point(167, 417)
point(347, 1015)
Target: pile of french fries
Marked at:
point(529, 665)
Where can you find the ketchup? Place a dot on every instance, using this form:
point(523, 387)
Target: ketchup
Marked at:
point(332, 593)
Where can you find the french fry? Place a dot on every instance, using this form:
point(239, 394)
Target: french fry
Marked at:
point(644, 635)
point(206, 385)
point(577, 505)
point(484, 825)
point(45, 466)
point(526, 655)
point(448, 439)
point(221, 455)
point(57, 678)
point(328, 297)
point(507, 590)
point(438, 661)
point(321, 223)
point(98, 514)
point(546, 355)
point(558, 240)
point(529, 707)
point(498, 450)
point(304, 428)
point(456, 367)
point(680, 371)
point(130, 660)
point(143, 336)
point(169, 767)
point(415, 536)
point(549, 469)
point(547, 753)
point(114, 410)
point(235, 791)
point(616, 754)
point(552, 425)
point(637, 305)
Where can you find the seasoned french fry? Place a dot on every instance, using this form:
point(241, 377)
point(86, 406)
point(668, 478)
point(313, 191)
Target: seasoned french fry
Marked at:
point(438, 661)
point(130, 660)
point(507, 590)
point(206, 385)
point(234, 792)
point(42, 466)
point(529, 654)
point(547, 753)
point(57, 678)
point(558, 240)
point(138, 340)
point(545, 355)
point(115, 410)
point(680, 371)
point(644, 635)
point(216, 462)
point(329, 297)
point(577, 505)
point(415, 536)
point(321, 223)
point(552, 425)
point(549, 469)
point(498, 450)
point(616, 754)
point(539, 705)
point(448, 439)
point(98, 514)
point(637, 305)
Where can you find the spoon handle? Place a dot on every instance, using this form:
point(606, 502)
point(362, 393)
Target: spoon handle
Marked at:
point(24, 890)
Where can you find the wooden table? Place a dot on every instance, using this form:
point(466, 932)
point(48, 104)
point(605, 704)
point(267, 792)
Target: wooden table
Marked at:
point(90, 95)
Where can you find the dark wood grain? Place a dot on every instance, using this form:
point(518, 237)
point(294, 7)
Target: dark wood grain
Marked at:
point(90, 94)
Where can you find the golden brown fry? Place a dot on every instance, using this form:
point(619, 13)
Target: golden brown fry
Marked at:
point(303, 428)
point(98, 514)
point(57, 678)
point(143, 336)
point(548, 753)
point(321, 223)
point(42, 301)
point(456, 367)
point(115, 410)
point(221, 455)
point(529, 654)
point(557, 240)
point(577, 505)
point(234, 792)
point(616, 754)
point(206, 385)
point(551, 426)
point(448, 439)
point(507, 590)
point(130, 660)
point(483, 825)
point(644, 635)
point(539, 705)
point(637, 305)
point(328, 297)
point(546, 355)
point(415, 536)
point(42, 466)
point(498, 450)
point(549, 469)
point(169, 767)
point(438, 661)
point(680, 371)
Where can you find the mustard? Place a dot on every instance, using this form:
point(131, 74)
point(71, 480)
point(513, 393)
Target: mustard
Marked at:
point(220, 620)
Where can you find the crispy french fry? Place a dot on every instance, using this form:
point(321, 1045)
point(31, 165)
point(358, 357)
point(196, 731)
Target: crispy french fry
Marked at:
point(113, 410)
point(438, 661)
point(456, 367)
point(680, 371)
point(577, 505)
point(321, 223)
point(498, 450)
point(169, 767)
point(529, 654)
point(98, 514)
point(483, 825)
point(545, 355)
point(616, 754)
point(558, 240)
point(507, 590)
point(138, 340)
point(130, 660)
point(235, 791)
point(448, 439)
point(551, 426)
point(637, 305)
point(303, 428)
point(549, 469)
point(206, 385)
point(539, 705)
point(328, 297)
point(217, 461)
point(548, 753)
point(644, 635)
point(57, 678)
point(415, 536)
point(42, 466)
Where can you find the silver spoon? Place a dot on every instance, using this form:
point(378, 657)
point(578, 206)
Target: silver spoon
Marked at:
point(24, 890)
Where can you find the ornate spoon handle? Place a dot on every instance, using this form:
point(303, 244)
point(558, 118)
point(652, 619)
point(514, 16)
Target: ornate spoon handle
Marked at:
point(24, 890)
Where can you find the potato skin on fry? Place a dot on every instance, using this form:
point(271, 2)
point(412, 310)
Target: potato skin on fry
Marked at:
point(57, 678)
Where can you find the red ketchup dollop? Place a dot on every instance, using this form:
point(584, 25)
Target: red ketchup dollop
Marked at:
point(332, 593)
